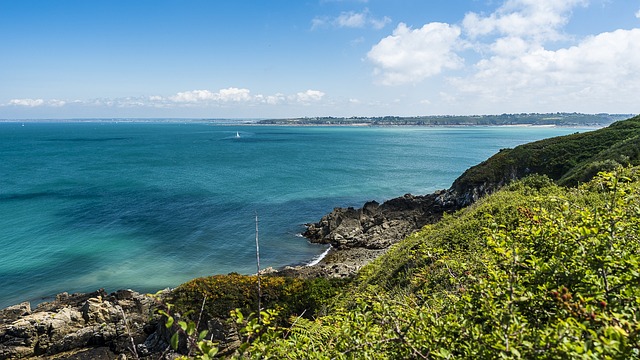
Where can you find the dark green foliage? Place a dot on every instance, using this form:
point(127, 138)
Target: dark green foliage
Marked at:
point(623, 153)
point(225, 293)
point(567, 159)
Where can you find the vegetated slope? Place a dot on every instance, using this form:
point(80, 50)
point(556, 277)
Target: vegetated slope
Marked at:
point(567, 159)
point(535, 271)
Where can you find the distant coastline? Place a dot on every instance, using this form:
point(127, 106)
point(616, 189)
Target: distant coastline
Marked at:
point(523, 119)
point(533, 119)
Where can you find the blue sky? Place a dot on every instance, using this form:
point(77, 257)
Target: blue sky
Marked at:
point(278, 58)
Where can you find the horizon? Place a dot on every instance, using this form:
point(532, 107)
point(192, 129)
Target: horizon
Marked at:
point(88, 119)
point(343, 58)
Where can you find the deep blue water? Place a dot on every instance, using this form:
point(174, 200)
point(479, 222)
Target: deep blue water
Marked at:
point(148, 206)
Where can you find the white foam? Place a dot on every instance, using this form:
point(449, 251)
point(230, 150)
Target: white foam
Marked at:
point(319, 258)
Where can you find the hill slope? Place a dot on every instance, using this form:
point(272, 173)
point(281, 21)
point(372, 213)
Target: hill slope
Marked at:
point(568, 160)
point(534, 271)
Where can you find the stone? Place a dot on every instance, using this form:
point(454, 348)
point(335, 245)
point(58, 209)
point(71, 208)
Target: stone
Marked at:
point(378, 226)
point(74, 322)
point(12, 313)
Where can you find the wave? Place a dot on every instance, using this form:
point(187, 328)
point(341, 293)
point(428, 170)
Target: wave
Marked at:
point(319, 258)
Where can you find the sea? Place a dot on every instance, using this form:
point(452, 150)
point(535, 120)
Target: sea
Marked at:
point(150, 205)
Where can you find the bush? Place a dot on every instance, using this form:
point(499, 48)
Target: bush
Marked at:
point(224, 293)
point(547, 274)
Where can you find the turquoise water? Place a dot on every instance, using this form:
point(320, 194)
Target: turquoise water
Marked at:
point(148, 206)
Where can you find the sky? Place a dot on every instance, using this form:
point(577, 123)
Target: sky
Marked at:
point(306, 58)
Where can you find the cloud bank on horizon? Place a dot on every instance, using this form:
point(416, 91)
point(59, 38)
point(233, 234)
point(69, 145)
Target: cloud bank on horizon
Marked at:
point(517, 56)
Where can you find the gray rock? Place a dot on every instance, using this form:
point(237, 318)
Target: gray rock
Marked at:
point(376, 226)
point(13, 313)
point(73, 322)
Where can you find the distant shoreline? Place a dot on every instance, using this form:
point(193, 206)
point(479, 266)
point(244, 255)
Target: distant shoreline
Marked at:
point(523, 119)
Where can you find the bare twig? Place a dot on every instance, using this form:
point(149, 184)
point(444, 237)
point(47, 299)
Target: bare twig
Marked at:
point(294, 323)
point(126, 326)
point(258, 272)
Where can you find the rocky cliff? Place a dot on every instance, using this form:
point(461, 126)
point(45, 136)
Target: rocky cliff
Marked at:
point(567, 159)
point(377, 226)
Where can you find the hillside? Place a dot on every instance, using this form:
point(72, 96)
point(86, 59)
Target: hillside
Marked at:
point(535, 270)
point(561, 119)
point(568, 160)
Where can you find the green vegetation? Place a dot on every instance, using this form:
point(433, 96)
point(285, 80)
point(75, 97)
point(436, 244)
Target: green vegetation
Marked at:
point(535, 270)
point(225, 293)
point(568, 160)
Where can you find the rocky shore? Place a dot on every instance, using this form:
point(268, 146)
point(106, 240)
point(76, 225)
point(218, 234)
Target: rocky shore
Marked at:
point(358, 236)
point(95, 325)
point(113, 326)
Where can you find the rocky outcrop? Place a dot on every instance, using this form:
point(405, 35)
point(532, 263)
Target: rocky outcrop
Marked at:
point(377, 226)
point(99, 326)
point(110, 322)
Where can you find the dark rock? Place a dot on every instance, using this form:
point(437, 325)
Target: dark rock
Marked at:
point(99, 353)
point(376, 226)
point(73, 322)
point(13, 313)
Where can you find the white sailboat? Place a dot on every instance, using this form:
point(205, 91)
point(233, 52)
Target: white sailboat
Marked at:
point(237, 134)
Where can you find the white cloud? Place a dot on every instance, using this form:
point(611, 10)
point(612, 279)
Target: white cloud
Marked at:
point(379, 23)
point(638, 14)
point(222, 95)
point(517, 62)
point(539, 20)
point(26, 102)
point(56, 103)
point(318, 22)
point(351, 19)
point(309, 96)
point(234, 94)
point(193, 96)
point(593, 70)
point(271, 99)
point(228, 98)
point(411, 55)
